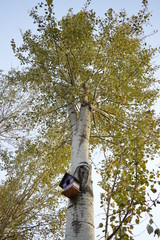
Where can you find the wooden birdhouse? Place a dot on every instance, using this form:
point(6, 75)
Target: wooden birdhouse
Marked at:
point(70, 186)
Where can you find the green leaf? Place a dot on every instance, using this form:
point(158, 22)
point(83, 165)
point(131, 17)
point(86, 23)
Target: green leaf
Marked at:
point(157, 232)
point(151, 221)
point(49, 2)
point(149, 229)
point(100, 225)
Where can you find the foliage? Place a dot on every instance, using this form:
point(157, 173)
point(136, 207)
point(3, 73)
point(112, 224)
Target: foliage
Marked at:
point(150, 228)
point(31, 206)
point(13, 104)
point(107, 63)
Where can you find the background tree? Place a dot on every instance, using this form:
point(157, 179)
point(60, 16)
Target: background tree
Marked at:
point(13, 107)
point(31, 206)
point(99, 74)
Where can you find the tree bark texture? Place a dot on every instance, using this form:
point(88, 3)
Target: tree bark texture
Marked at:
point(80, 214)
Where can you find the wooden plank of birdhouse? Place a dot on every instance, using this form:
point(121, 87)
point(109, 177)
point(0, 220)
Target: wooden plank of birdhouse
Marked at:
point(71, 192)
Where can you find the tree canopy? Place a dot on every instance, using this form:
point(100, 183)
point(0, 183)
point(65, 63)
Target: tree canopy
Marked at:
point(106, 63)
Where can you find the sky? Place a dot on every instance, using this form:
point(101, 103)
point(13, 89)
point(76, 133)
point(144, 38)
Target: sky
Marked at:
point(14, 15)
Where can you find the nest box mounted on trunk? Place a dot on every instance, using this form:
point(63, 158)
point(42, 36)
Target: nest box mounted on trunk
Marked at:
point(70, 185)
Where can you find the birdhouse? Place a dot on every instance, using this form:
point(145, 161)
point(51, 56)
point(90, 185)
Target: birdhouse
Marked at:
point(70, 186)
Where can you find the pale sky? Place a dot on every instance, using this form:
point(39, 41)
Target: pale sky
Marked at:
point(14, 15)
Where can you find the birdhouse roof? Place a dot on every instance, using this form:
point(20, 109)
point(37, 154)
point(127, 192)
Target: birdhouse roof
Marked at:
point(67, 176)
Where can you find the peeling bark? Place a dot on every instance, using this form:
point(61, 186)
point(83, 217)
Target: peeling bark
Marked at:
point(80, 216)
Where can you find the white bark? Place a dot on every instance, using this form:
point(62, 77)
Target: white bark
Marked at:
point(80, 215)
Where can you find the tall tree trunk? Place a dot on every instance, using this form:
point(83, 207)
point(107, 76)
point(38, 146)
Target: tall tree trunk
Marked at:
point(80, 214)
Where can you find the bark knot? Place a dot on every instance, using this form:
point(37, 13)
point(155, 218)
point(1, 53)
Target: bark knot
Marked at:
point(83, 174)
